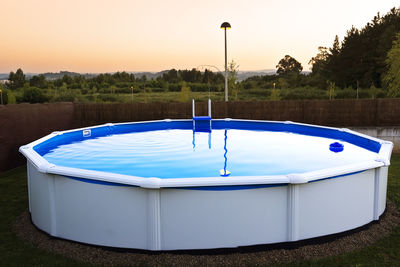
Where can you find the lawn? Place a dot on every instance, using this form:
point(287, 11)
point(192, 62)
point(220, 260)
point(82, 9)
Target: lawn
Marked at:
point(14, 252)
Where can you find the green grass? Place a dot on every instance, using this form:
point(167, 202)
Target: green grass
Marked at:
point(14, 252)
point(14, 200)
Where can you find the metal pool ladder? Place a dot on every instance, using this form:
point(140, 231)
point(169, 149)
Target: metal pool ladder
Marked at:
point(201, 123)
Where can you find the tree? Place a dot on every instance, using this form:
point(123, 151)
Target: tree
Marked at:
point(288, 65)
point(331, 90)
point(67, 79)
point(233, 69)
point(374, 92)
point(112, 89)
point(185, 91)
point(275, 95)
point(360, 59)
point(38, 81)
point(171, 76)
point(7, 96)
point(318, 63)
point(391, 77)
point(335, 50)
point(16, 79)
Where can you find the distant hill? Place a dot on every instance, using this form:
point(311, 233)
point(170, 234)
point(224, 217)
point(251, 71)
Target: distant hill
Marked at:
point(57, 75)
point(242, 75)
point(51, 75)
point(149, 75)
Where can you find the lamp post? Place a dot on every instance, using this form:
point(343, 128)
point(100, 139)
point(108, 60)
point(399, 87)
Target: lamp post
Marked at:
point(226, 26)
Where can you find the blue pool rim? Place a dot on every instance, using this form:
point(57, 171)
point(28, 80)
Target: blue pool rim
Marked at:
point(272, 126)
point(35, 150)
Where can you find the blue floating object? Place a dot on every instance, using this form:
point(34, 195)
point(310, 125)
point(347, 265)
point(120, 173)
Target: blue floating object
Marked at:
point(336, 147)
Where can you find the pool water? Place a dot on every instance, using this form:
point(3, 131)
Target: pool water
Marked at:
point(182, 153)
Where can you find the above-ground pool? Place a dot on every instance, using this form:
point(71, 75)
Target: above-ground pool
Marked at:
point(184, 184)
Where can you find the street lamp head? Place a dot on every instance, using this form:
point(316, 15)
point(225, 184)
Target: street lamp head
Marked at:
point(225, 26)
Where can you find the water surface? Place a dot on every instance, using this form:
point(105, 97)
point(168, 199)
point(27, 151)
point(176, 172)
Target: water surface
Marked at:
point(180, 153)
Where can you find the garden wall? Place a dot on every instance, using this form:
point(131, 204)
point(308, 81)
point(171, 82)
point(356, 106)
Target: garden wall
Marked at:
point(23, 123)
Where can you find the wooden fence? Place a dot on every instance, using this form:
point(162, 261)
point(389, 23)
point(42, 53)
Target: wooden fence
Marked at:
point(23, 123)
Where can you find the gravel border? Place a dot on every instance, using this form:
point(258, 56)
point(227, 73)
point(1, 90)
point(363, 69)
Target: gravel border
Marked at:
point(316, 248)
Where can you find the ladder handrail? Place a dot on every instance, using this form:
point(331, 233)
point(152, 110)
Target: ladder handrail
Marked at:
point(209, 108)
point(193, 109)
point(194, 112)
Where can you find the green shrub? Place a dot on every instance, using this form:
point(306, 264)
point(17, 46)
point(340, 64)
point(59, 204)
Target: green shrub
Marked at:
point(174, 87)
point(199, 87)
point(302, 93)
point(124, 90)
point(258, 92)
point(8, 97)
point(34, 95)
point(108, 98)
point(64, 98)
point(348, 92)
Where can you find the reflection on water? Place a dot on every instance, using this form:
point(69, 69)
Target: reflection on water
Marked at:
point(224, 172)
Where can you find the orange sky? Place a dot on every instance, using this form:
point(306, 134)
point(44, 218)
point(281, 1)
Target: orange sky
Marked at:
point(154, 35)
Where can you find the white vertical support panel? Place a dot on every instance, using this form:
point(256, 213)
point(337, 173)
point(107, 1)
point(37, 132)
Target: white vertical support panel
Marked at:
point(376, 194)
point(383, 177)
point(52, 205)
point(153, 219)
point(293, 212)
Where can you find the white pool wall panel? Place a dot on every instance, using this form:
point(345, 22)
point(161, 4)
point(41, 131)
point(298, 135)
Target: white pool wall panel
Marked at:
point(105, 217)
point(195, 219)
point(335, 205)
point(171, 219)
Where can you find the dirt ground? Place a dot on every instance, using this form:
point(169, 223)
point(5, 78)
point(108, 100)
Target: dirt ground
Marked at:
point(255, 255)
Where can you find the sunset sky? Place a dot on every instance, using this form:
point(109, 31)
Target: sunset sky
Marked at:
point(153, 35)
